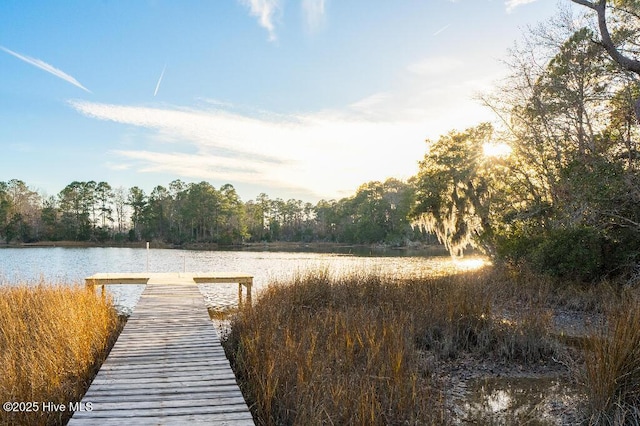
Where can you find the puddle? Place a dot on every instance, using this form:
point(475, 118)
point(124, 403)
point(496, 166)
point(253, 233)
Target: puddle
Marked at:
point(523, 400)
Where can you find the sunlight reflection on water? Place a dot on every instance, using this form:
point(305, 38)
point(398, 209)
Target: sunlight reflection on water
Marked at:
point(516, 400)
point(470, 264)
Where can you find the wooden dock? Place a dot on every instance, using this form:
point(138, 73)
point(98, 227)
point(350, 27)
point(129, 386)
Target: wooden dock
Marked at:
point(167, 366)
point(186, 278)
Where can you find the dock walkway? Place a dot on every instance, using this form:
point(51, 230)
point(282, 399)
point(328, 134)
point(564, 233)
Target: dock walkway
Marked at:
point(167, 366)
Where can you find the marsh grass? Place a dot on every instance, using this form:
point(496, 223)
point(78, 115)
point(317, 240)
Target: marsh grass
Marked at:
point(463, 314)
point(221, 314)
point(350, 349)
point(611, 374)
point(52, 341)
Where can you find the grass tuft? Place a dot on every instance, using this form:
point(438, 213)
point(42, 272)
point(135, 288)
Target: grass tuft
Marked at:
point(52, 340)
point(611, 375)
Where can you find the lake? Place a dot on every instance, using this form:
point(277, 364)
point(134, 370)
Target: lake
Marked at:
point(62, 265)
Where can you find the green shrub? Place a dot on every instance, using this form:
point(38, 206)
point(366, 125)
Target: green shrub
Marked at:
point(621, 251)
point(577, 253)
point(517, 246)
point(570, 253)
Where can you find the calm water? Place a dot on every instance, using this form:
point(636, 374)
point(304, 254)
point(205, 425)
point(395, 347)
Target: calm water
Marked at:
point(72, 265)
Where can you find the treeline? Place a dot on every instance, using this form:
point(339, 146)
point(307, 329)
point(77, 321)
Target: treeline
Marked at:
point(199, 213)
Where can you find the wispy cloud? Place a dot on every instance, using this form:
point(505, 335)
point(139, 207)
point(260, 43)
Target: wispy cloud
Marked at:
point(155, 92)
point(264, 10)
point(442, 29)
point(437, 91)
point(283, 152)
point(46, 67)
point(314, 13)
point(512, 4)
point(198, 166)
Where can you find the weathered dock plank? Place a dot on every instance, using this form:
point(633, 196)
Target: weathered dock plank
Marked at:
point(168, 366)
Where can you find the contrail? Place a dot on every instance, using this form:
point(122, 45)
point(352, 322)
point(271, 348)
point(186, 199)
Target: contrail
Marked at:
point(441, 29)
point(159, 80)
point(46, 67)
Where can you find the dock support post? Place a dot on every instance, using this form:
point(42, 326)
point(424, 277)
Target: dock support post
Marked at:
point(90, 284)
point(248, 284)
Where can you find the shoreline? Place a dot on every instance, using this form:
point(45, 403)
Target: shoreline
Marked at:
point(268, 246)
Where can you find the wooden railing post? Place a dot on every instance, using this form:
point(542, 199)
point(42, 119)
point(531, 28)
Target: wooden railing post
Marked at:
point(90, 284)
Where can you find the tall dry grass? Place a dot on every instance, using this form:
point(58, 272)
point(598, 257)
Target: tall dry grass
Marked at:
point(611, 374)
point(465, 313)
point(350, 350)
point(52, 340)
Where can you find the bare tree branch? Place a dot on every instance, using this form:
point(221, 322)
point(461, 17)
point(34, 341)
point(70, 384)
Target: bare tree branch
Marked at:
point(586, 3)
point(625, 219)
point(599, 6)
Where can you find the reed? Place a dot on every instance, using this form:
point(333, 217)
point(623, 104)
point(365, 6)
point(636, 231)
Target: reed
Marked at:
point(611, 372)
point(351, 350)
point(465, 314)
point(52, 341)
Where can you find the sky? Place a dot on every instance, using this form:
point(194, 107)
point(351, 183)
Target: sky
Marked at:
point(304, 99)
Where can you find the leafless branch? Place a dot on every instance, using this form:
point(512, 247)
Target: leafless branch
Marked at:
point(624, 61)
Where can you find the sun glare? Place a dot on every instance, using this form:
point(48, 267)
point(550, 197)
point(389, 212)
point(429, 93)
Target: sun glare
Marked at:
point(497, 150)
point(471, 264)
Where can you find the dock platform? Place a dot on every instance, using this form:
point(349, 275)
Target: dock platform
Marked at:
point(168, 366)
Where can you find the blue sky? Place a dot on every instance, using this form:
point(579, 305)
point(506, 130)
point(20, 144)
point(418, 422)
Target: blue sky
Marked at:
point(299, 99)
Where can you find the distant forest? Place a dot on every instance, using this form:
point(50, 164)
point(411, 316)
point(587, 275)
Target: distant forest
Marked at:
point(199, 213)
